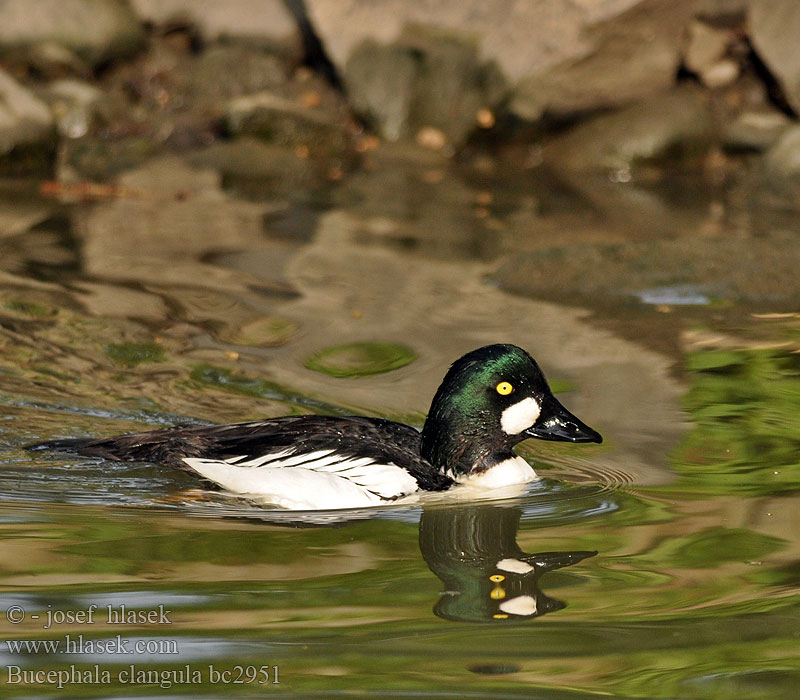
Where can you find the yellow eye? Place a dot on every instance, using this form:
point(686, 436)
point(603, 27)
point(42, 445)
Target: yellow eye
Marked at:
point(504, 388)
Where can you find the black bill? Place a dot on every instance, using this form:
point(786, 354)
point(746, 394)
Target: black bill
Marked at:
point(556, 423)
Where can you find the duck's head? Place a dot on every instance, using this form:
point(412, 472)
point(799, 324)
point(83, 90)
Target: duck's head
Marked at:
point(491, 399)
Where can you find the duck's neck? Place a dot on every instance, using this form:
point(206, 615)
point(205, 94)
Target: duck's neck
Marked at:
point(457, 453)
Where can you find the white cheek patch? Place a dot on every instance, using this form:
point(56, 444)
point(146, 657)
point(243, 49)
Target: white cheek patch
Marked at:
point(514, 566)
point(521, 416)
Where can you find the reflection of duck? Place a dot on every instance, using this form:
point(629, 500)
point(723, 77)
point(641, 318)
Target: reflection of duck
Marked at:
point(490, 400)
point(474, 551)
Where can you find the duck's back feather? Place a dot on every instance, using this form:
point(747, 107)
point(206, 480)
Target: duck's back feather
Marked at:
point(378, 456)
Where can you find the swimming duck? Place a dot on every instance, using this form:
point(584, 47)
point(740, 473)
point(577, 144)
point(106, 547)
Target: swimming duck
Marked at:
point(490, 400)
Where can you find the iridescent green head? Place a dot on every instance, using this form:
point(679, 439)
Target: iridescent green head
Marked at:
point(491, 399)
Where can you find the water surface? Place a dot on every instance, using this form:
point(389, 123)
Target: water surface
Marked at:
point(661, 564)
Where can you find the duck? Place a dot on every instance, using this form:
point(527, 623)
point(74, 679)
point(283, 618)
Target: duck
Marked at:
point(489, 401)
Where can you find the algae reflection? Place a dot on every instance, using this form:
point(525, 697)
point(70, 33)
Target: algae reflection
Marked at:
point(487, 576)
point(745, 406)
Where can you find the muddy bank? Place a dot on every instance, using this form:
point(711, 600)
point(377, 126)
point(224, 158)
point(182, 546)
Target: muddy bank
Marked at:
point(635, 146)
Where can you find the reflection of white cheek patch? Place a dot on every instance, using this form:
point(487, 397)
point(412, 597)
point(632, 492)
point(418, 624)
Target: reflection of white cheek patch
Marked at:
point(523, 605)
point(514, 566)
point(521, 416)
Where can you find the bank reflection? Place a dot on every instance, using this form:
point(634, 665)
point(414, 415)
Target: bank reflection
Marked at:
point(486, 575)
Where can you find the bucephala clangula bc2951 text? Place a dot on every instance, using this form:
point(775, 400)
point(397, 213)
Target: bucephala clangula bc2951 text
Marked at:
point(490, 400)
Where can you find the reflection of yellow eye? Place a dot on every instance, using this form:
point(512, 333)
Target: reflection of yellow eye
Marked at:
point(497, 593)
point(504, 388)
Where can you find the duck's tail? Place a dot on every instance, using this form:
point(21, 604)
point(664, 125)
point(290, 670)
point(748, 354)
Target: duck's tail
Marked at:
point(75, 445)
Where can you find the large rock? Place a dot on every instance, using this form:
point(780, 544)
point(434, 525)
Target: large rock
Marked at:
point(74, 104)
point(287, 122)
point(782, 163)
point(560, 55)
point(27, 136)
point(755, 129)
point(96, 30)
point(266, 19)
point(706, 54)
point(671, 126)
point(248, 164)
point(619, 58)
point(409, 199)
point(425, 79)
point(721, 8)
point(686, 269)
point(774, 29)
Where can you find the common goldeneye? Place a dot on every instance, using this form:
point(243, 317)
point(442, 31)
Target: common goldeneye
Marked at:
point(491, 399)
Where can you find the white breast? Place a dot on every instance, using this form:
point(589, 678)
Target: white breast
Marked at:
point(513, 470)
point(314, 481)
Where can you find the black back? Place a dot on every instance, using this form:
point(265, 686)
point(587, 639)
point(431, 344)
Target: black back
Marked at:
point(382, 440)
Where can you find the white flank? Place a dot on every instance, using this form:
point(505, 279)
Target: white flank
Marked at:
point(281, 458)
point(514, 566)
point(520, 416)
point(318, 480)
point(523, 605)
point(511, 471)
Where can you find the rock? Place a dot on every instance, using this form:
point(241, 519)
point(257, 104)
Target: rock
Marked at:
point(49, 60)
point(755, 130)
point(75, 91)
point(380, 82)
point(287, 122)
point(676, 125)
point(595, 208)
point(96, 30)
point(74, 104)
point(264, 19)
point(721, 74)
point(27, 136)
point(705, 55)
point(171, 98)
point(774, 29)
point(782, 162)
point(558, 56)
point(621, 57)
point(228, 70)
point(119, 301)
point(721, 8)
point(410, 199)
point(707, 45)
point(424, 80)
point(687, 269)
point(18, 215)
point(258, 94)
point(255, 166)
